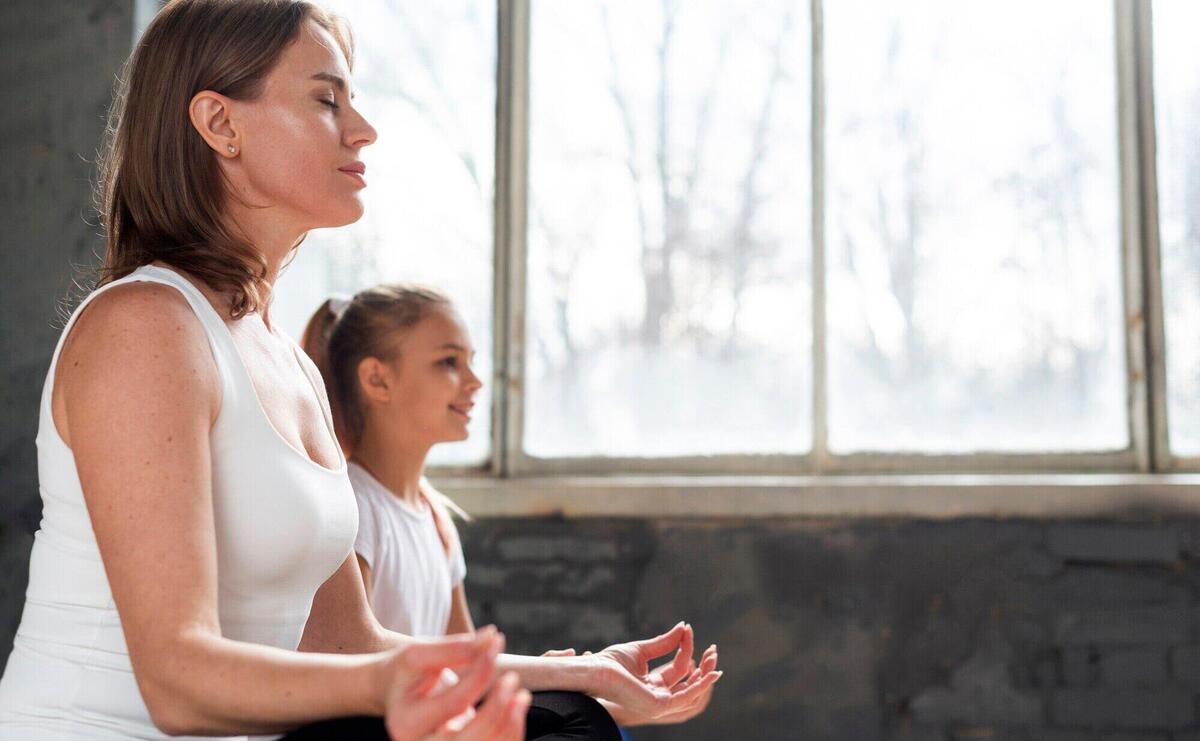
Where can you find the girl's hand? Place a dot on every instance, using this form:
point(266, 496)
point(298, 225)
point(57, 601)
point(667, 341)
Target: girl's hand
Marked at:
point(418, 705)
point(558, 652)
point(672, 692)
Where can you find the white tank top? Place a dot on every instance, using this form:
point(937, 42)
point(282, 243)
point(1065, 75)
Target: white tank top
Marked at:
point(283, 522)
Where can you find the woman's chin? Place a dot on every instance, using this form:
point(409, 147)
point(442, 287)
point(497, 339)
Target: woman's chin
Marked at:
point(350, 212)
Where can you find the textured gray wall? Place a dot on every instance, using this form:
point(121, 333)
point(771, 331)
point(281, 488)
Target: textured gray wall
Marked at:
point(59, 62)
point(829, 630)
point(955, 630)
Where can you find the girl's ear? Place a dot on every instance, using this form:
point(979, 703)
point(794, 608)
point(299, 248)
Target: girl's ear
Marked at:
point(375, 380)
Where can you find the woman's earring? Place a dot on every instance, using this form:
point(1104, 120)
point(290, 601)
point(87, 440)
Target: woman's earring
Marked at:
point(232, 149)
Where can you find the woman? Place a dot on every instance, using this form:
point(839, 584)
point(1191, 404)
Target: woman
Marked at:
point(193, 573)
point(397, 367)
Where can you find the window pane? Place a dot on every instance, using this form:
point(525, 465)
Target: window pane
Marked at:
point(1177, 110)
point(425, 74)
point(973, 227)
point(669, 237)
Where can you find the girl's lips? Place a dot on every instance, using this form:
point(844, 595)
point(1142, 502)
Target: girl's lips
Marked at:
point(357, 177)
point(463, 410)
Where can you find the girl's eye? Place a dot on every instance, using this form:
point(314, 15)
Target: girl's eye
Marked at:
point(332, 104)
point(450, 362)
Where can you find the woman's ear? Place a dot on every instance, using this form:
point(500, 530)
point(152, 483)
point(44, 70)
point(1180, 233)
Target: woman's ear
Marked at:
point(210, 116)
point(375, 380)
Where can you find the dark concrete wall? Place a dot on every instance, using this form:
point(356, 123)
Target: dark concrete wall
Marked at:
point(828, 630)
point(59, 60)
point(876, 629)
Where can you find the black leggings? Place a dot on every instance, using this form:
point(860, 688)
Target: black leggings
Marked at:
point(553, 716)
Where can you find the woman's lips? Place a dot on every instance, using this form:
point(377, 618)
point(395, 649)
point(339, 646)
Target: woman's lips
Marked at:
point(462, 410)
point(356, 170)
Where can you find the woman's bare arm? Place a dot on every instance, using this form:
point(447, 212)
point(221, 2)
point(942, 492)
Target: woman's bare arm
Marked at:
point(365, 569)
point(136, 395)
point(341, 620)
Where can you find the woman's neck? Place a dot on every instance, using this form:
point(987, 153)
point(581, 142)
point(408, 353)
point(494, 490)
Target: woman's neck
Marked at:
point(395, 463)
point(273, 236)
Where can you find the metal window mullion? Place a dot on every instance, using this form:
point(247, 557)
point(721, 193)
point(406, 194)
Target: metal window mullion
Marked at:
point(1152, 275)
point(1128, 141)
point(820, 396)
point(512, 137)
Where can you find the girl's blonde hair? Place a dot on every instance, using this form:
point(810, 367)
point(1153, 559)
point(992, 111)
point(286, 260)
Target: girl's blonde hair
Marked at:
point(161, 194)
point(372, 324)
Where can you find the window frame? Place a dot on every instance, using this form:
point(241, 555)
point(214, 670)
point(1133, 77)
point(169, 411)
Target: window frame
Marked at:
point(1149, 449)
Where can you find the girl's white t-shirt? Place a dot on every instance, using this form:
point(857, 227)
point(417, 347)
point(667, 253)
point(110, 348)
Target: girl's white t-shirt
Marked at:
point(412, 576)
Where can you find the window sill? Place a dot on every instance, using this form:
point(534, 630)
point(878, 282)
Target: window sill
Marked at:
point(938, 497)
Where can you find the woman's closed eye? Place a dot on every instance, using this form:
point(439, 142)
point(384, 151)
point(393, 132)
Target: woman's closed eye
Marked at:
point(449, 362)
point(332, 103)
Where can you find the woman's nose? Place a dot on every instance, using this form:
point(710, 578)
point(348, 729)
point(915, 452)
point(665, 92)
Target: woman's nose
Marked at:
point(362, 133)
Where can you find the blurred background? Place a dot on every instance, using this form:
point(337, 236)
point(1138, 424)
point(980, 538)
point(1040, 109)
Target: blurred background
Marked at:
point(862, 335)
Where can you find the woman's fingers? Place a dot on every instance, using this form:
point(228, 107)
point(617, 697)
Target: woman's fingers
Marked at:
point(451, 651)
point(682, 663)
point(661, 645)
point(412, 717)
point(491, 717)
point(688, 694)
point(708, 664)
point(475, 680)
point(502, 716)
point(695, 691)
point(431, 680)
point(518, 710)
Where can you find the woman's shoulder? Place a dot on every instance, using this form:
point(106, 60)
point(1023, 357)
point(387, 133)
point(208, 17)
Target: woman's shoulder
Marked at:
point(138, 330)
point(141, 314)
point(128, 301)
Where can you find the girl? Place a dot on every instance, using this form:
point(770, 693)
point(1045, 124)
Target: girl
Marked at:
point(194, 573)
point(397, 367)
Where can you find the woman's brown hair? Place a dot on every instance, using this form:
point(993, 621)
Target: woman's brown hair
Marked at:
point(161, 194)
point(372, 324)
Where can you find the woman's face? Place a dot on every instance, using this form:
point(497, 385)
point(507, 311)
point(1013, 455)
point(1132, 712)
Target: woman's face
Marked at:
point(435, 386)
point(301, 137)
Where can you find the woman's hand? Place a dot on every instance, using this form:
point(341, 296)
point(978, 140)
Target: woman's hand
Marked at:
point(419, 705)
point(500, 718)
point(682, 710)
point(673, 692)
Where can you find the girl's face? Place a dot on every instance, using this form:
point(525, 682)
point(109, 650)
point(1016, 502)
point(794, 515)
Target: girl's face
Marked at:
point(301, 138)
point(434, 385)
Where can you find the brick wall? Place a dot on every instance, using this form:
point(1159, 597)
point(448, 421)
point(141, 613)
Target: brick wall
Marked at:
point(869, 630)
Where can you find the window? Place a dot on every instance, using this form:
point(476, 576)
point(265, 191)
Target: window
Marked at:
point(793, 235)
point(668, 239)
point(1177, 109)
point(973, 227)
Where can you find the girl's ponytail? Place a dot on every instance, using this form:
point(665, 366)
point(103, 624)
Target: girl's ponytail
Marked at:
point(315, 342)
